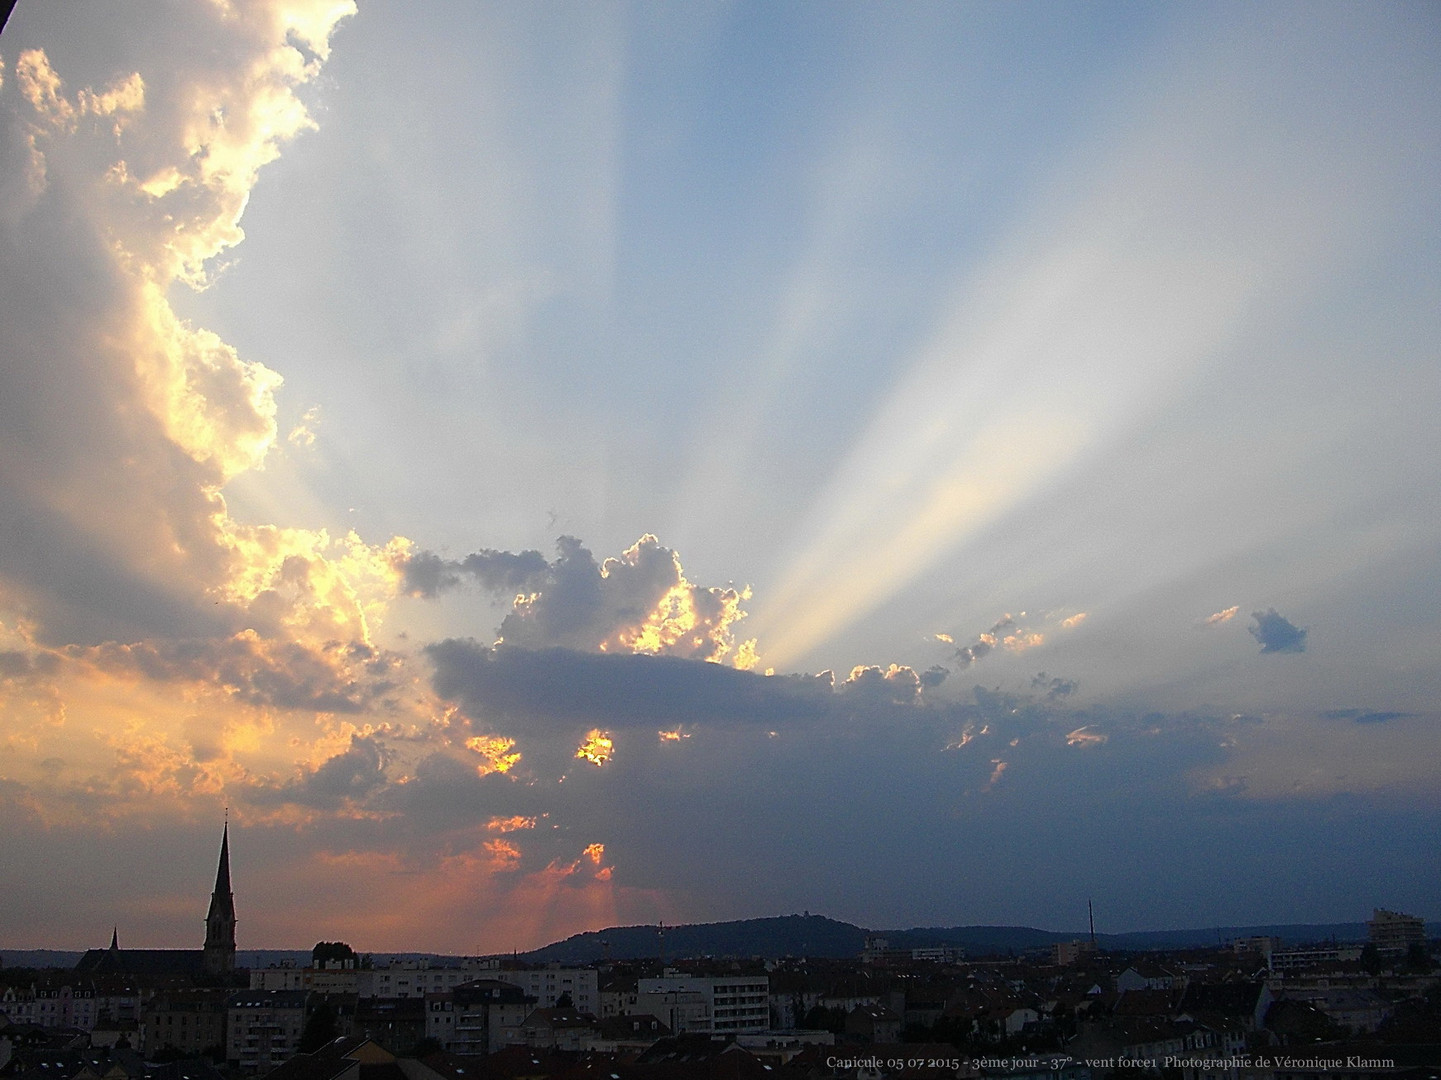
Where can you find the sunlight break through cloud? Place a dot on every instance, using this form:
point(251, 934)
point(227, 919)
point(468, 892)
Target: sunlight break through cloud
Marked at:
point(1090, 317)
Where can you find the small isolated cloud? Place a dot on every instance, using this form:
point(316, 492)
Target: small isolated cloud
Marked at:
point(302, 435)
point(984, 643)
point(1073, 621)
point(597, 747)
point(1085, 736)
point(1221, 616)
point(1276, 633)
point(997, 772)
point(1005, 634)
point(933, 676)
point(1055, 687)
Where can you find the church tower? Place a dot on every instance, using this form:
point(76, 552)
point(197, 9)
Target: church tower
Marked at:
point(220, 922)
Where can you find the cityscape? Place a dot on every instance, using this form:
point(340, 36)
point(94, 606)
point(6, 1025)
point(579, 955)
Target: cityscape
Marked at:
point(1254, 1007)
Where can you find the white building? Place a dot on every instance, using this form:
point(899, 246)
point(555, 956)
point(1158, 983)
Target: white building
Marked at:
point(413, 978)
point(548, 985)
point(733, 1003)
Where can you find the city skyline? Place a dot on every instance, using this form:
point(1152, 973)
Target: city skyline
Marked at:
point(556, 467)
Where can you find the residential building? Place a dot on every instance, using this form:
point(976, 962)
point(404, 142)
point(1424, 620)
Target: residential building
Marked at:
point(262, 1028)
point(411, 979)
point(548, 985)
point(396, 1023)
point(734, 1003)
point(557, 1029)
point(189, 1021)
point(1394, 933)
point(486, 1015)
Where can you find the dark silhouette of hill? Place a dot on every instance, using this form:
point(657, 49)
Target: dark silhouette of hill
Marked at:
point(784, 935)
point(818, 936)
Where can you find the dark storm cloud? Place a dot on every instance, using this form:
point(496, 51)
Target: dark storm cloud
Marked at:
point(1276, 633)
point(565, 686)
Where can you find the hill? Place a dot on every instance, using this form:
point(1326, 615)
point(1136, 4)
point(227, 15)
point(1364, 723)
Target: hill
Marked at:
point(818, 936)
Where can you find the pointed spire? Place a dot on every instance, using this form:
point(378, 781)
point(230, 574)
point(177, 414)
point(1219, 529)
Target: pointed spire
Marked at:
point(115, 939)
point(222, 872)
point(220, 922)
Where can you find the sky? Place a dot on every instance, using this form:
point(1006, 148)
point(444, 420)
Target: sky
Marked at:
point(542, 467)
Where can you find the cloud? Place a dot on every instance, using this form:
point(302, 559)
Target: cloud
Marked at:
point(120, 421)
point(639, 602)
point(334, 678)
point(984, 643)
point(1219, 617)
point(896, 685)
point(1005, 634)
point(347, 777)
point(1055, 687)
point(427, 574)
point(1276, 633)
point(561, 689)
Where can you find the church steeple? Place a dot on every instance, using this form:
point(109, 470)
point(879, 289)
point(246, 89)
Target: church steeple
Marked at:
point(220, 922)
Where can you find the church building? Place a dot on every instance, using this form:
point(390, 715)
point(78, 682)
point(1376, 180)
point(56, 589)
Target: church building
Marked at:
point(210, 964)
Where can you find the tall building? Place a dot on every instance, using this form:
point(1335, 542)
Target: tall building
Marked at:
point(220, 921)
point(1392, 932)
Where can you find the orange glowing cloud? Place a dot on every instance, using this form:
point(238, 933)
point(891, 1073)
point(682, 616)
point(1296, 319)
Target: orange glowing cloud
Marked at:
point(597, 747)
point(510, 824)
point(496, 752)
point(504, 855)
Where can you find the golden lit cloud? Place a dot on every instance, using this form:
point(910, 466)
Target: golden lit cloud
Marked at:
point(594, 852)
point(638, 602)
point(513, 823)
point(504, 855)
point(596, 747)
point(1225, 615)
point(1074, 621)
point(496, 752)
point(1085, 736)
point(1022, 641)
point(315, 587)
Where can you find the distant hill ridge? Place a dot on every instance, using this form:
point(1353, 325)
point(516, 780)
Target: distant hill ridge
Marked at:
point(802, 935)
point(819, 936)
